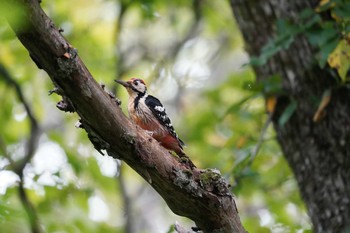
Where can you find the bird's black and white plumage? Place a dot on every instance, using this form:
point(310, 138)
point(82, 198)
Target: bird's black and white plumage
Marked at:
point(159, 111)
point(149, 113)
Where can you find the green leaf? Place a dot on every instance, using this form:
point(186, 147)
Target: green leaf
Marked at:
point(326, 50)
point(286, 28)
point(286, 33)
point(321, 36)
point(287, 113)
point(273, 85)
point(257, 61)
point(315, 19)
point(339, 59)
point(342, 10)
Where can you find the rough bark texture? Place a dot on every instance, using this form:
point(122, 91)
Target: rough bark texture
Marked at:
point(201, 195)
point(318, 153)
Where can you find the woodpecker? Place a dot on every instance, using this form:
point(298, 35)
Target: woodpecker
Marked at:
point(148, 112)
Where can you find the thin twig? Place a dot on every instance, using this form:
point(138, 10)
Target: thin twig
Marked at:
point(261, 139)
point(29, 208)
point(31, 145)
point(32, 142)
point(12, 82)
point(129, 225)
point(255, 150)
point(27, 205)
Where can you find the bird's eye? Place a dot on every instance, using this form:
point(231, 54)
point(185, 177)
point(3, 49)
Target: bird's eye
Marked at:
point(136, 83)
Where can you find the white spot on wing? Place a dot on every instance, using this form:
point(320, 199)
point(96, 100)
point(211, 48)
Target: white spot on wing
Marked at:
point(159, 108)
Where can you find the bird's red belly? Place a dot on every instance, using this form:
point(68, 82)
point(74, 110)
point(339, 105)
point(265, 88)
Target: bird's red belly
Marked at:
point(166, 140)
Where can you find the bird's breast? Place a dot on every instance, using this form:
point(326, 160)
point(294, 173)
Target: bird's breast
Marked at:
point(144, 118)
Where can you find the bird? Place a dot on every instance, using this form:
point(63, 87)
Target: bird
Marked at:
point(148, 112)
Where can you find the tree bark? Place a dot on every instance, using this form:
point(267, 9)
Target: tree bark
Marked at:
point(317, 152)
point(201, 195)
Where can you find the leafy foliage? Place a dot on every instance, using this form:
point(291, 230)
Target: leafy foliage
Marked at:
point(329, 34)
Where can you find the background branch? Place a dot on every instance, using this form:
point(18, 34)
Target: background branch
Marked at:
point(31, 146)
point(32, 142)
point(127, 206)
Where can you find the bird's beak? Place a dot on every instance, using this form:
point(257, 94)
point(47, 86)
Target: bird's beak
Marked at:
point(125, 84)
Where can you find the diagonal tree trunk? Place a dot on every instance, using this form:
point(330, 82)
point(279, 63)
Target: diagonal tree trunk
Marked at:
point(201, 195)
point(317, 152)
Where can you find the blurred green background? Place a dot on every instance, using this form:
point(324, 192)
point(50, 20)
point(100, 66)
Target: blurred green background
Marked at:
point(191, 55)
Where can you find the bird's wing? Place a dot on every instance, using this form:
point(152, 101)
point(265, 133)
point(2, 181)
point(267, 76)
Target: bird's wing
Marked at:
point(160, 113)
